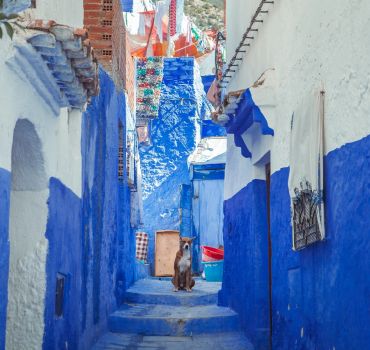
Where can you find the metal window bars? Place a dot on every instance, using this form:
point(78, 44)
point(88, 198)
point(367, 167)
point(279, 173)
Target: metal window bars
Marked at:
point(248, 36)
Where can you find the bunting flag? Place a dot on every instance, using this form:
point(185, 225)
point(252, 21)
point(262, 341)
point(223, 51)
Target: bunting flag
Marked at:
point(176, 16)
point(149, 82)
point(172, 16)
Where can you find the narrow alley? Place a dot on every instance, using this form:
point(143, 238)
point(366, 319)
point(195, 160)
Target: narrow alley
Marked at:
point(184, 174)
point(153, 317)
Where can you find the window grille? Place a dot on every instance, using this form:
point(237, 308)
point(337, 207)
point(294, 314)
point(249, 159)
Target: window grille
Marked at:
point(120, 152)
point(106, 23)
point(107, 36)
point(107, 52)
point(131, 151)
point(59, 294)
point(305, 217)
point(107, 7)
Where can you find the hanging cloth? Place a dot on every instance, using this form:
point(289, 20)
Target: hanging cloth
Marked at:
point(306, 172)
point(179, 16)
point(142, 24)
point(161, 11)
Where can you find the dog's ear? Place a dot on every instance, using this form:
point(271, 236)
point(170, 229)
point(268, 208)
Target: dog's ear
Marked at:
point(192, 239)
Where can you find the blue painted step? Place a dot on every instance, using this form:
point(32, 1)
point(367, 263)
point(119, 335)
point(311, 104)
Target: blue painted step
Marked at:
point(150, 319)
point(221, 341)
point(153, 291)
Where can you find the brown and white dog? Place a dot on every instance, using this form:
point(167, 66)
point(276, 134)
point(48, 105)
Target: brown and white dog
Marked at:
point(183, 278)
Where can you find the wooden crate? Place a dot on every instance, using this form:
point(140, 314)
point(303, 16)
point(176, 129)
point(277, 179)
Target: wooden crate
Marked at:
point(166, 247)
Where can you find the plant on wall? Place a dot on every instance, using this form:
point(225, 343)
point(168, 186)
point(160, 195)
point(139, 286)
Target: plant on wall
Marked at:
point(8, 22)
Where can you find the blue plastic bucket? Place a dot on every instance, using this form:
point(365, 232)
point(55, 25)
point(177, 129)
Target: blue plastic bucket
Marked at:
point(213, 270)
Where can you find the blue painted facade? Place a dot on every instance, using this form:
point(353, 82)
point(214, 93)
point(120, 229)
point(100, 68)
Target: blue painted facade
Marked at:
point(174, 135)
point(320, 295)
point(324, 284)
point(5, 179)
point(243, 118)
point(64, 257)
point(245, 282)
point(209, 128)
point(91, 241)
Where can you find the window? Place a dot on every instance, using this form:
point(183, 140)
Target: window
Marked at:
point(107, 52)
point(131, 151)
point(107, 36)
point(120, 152)
point(106, 23)
point(59, 294)
point(107, 7)
point(33, 4)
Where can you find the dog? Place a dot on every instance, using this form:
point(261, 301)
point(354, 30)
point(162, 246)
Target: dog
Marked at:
point(183, 280)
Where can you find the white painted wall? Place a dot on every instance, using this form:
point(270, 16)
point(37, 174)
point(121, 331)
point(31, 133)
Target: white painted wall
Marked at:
point(68, 12)
point(60, 150)
point(309, 44)
point(60, 136)
point(27, 275)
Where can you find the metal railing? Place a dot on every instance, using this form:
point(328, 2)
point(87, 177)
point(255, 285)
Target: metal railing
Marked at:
point(262, 9)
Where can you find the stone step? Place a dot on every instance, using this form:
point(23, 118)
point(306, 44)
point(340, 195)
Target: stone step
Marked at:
point(150, 319)
point(220, 341)
point(153, 291)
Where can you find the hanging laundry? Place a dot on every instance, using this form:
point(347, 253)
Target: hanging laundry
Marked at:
point(127, 5)
point(142, 24)
point(149, 82)
point(306, 172)
point(161, 12)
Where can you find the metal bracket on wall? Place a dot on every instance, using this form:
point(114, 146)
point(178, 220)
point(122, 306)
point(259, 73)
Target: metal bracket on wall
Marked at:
point(236, 59)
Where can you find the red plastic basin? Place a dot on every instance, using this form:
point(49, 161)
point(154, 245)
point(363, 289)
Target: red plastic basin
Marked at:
point(212, 254)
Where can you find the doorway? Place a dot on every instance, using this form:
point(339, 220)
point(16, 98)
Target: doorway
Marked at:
point(268, 205)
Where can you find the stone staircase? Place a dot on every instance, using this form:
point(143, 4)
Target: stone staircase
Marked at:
point(154, 317)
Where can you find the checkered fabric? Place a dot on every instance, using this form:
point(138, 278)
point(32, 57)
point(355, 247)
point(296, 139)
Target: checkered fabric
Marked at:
point(142, 242)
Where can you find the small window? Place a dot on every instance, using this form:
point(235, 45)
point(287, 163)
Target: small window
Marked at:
point(59, 294)
point(107, 52)
point(106, 23)
point(107, 7)
point(108, 1)
point(107, 36)
point(33, 4)
point(120, 152)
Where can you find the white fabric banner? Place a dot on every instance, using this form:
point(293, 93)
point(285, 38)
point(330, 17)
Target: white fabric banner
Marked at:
point(306, 171)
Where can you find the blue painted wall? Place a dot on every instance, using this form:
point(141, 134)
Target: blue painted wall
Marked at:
point(5, 179)
point(322, 289)
point(90, 239)
point(325, 284)
point(64, 256)
point(209, 128)
point(174, 134)
point(245, 284)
